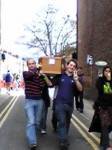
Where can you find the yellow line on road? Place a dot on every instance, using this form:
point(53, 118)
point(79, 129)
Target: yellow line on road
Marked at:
point(8, 112)
point(5, 109)
point(86, 129)
point(93, 145)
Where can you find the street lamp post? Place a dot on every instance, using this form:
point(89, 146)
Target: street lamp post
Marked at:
point(100, 65)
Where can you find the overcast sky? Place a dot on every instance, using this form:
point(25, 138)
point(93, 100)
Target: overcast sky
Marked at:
point(17, 13)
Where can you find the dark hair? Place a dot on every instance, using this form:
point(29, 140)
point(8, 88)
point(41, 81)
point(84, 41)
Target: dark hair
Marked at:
point(105, 67)
point(72, 60)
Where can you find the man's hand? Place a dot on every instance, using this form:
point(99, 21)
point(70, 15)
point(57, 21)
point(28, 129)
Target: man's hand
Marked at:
point(45, 78)
point(75, 75)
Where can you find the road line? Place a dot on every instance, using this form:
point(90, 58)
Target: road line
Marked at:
point(83, 115)
point(5, 109)
point(93, 145)
point(8, 112)
point(97, 140)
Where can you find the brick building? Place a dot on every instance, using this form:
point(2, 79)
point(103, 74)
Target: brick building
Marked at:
point(0, 22)
point(94, 37)
point(94, 33)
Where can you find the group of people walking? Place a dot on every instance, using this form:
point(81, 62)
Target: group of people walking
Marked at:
point(67, 85)
point(36, 108)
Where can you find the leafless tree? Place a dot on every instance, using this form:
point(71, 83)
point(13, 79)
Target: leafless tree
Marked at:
point(49, 33)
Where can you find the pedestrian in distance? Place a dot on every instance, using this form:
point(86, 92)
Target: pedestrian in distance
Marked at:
point(79, 94)
point(102, 118)
point(8, 81)
point(67, 83)
point(34, 84)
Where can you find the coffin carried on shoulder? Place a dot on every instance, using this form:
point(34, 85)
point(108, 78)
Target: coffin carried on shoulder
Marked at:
point(52, 65)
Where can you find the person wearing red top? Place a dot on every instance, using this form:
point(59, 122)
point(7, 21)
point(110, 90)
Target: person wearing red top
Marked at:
point(34, 84)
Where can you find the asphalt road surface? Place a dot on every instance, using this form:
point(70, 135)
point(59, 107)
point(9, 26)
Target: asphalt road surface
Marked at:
point(12, 131)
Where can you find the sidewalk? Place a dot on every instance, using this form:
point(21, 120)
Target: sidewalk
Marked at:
point(89, 111)
point(88, 108)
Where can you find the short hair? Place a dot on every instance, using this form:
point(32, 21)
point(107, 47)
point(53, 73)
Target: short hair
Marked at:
point(29, 60)
point(72, 60)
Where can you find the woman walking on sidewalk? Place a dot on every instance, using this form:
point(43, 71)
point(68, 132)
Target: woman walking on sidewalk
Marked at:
point(102, 119)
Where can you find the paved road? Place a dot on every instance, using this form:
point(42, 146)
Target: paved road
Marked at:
point(12, 132)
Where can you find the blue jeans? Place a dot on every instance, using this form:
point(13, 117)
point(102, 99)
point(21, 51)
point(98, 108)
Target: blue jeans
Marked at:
point(63, 113)
point(33, 109)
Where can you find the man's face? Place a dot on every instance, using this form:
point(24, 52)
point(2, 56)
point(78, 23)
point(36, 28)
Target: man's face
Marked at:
point(31, 64)
point(71, 67)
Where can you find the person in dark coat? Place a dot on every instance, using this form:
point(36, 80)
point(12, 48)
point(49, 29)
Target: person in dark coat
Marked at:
point(54, 119)
point(102, 119)
point(46, 105)
point(46, 99)
point(79, 94)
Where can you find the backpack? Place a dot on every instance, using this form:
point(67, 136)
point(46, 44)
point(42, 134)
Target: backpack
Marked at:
point(8, 78)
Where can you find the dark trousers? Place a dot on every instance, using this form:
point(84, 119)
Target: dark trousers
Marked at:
point(104, 140)
point(79, 100)
point(63, 113)
point(54, 121)
point(105, 117)
point(44, 117)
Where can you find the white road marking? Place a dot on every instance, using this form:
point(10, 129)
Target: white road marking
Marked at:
point(8, 112)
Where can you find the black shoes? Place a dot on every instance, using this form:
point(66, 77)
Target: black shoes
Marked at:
point(55, 130)
point(33, 147)
point(80, 110)
point(64, 145)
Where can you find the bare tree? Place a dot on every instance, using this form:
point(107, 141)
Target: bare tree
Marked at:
point(49, 33)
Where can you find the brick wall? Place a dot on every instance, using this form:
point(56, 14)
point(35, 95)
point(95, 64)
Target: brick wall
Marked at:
point(94, 34)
